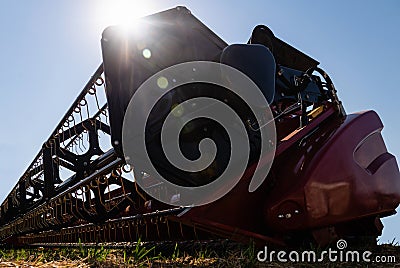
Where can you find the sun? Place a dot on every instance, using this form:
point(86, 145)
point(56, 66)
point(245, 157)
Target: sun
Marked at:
point(123, 12)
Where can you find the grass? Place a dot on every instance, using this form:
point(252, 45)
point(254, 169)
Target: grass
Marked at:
point(142, 256)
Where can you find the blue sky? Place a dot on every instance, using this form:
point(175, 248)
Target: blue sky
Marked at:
point(49, 49)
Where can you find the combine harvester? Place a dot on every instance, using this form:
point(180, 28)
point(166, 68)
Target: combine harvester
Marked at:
point(331, 176)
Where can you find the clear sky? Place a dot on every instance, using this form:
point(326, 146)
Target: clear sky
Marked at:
point(49, 49)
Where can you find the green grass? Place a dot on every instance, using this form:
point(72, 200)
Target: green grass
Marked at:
point(142, 256)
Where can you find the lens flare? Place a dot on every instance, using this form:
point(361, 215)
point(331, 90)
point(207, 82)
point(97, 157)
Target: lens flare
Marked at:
point(162, 82)
point(147, 53)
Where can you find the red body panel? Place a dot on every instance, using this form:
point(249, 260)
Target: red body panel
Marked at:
point(351, 176)
point(332, 171)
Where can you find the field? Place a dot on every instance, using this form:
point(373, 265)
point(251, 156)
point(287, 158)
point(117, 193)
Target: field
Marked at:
point(226, 255)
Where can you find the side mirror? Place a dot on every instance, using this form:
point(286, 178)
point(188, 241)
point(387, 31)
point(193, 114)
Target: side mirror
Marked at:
point(255, 61)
